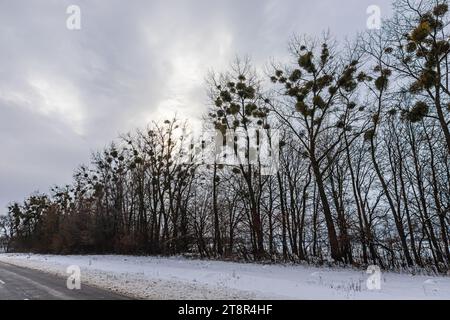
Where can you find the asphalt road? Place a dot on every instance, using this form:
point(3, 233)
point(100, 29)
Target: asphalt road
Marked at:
point(18, 283)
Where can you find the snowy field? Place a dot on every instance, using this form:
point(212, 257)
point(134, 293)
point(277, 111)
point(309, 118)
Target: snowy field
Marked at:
point(180, 278)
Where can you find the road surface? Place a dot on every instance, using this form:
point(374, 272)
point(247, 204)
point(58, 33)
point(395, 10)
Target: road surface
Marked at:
point(17, 283)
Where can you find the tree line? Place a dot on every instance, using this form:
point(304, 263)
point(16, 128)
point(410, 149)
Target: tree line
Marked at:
point(363, 175)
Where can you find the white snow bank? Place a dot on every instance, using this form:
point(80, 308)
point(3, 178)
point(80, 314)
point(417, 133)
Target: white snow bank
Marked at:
point(180, 278)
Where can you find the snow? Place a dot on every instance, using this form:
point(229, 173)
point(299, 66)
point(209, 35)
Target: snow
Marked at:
point(181, 278)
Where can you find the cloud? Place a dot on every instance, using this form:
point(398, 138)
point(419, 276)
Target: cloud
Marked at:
point(66, 93)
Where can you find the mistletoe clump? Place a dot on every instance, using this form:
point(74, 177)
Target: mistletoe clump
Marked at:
point(417, 112)
point(314, 88)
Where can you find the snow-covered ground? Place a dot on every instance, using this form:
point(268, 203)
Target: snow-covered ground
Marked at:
point(180, 278)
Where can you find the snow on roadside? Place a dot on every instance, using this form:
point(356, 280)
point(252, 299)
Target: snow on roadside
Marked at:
point(180, 278)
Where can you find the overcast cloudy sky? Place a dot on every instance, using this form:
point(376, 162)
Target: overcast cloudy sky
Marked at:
point(66, 93)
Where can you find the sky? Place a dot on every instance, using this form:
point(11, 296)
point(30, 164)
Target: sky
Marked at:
point(66, 93)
